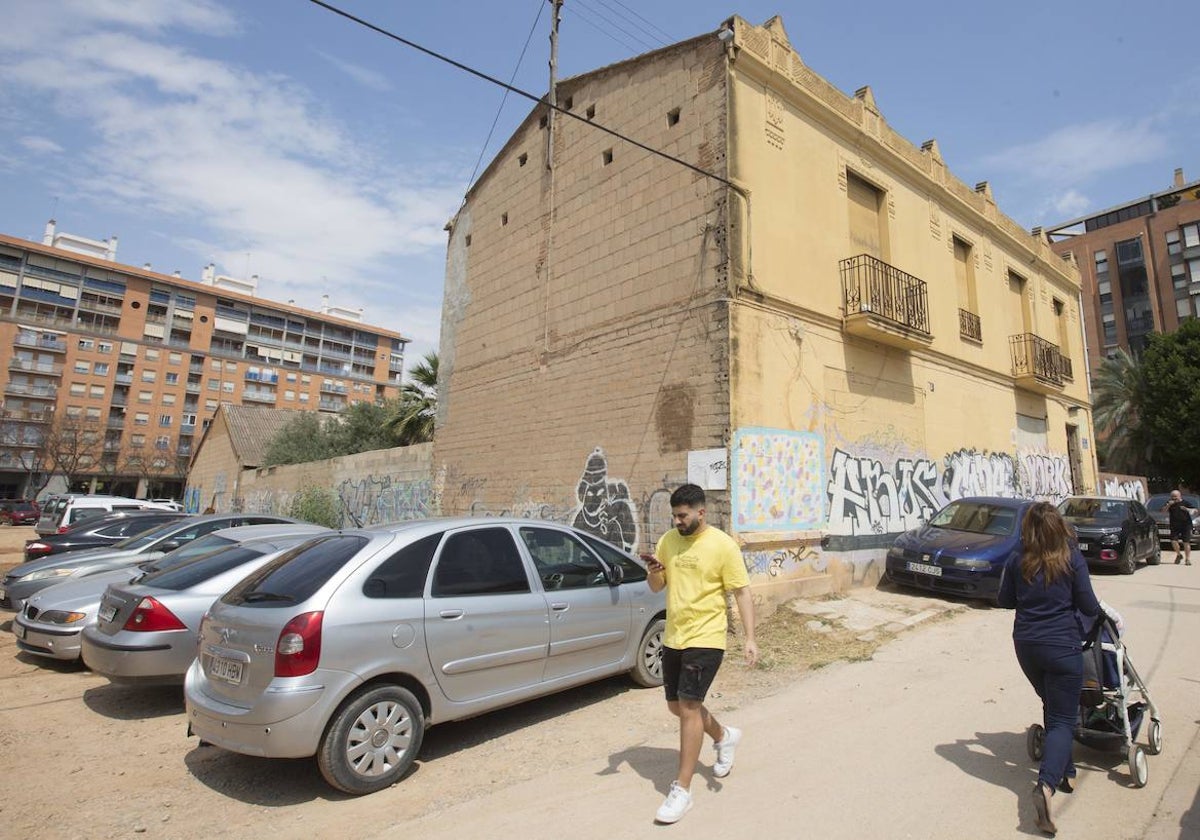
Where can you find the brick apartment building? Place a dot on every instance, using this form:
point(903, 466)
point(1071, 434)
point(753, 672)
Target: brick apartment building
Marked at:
point(1140, 267)
point(828, 330)
point(113, 371)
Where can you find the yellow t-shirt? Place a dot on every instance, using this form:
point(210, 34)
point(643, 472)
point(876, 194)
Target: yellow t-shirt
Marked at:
point(699, 569)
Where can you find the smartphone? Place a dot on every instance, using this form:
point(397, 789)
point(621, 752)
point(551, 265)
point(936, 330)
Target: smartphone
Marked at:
point(650, 562)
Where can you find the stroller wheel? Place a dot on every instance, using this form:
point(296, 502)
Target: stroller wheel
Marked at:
point(1138, 768)
point(1155, 737)
point(1035, 740)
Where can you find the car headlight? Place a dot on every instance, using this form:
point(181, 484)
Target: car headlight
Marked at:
point(974, 565)
point(1110, 539)
point(42, 574)
point(895, 553)
point(61, 617)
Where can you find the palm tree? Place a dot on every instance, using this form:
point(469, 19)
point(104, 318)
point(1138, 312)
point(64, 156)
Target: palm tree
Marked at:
point(1120, 400)
point(417, 408)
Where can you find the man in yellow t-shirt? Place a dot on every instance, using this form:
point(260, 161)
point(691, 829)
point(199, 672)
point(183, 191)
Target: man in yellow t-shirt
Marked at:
point(698, 564)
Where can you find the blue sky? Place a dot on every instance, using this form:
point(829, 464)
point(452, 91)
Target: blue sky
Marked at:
point(274, 138)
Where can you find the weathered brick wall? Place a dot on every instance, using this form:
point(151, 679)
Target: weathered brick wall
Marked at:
point(582, 361)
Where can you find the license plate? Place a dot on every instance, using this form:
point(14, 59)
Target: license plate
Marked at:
point(924, 568)
point(229, 670)
point(18, 630)
point(3, 594)
point(1083, 546)
point(107, 612)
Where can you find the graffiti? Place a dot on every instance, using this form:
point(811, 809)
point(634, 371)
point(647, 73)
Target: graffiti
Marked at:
point(777, 480)
point(374, 500)
point(524, 510)
point(605, 507)
point(784, 562)
point(1123, 486)
point(191, 500)
point(867, 497)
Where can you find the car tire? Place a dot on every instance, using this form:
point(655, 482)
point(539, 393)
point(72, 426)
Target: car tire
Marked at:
point(647, 668)
point(372, 740)
point(1128, 562)
point(1155, 556)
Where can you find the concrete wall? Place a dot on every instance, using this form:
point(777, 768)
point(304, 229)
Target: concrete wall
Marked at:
point(1125, 486)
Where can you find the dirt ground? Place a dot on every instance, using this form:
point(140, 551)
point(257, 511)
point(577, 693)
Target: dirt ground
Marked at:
point(88, 759)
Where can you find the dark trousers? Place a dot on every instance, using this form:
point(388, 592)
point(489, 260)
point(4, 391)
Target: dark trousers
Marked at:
point(1056, 674)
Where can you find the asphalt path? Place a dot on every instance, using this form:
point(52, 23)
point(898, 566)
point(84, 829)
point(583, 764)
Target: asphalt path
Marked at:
point(926, 740)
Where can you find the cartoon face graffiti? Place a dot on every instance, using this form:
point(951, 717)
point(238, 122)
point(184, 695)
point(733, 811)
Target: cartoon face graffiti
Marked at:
point(605, 508)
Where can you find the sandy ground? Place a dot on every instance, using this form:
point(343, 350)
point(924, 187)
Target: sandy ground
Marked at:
point(85, 758)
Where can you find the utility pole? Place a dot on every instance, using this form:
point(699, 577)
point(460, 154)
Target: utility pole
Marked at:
point(552, 97)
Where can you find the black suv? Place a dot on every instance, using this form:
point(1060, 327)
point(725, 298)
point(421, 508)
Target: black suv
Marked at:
point(99, 533)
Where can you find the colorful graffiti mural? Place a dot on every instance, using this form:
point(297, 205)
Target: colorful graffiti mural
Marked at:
point(777, 480)
point(605, 506)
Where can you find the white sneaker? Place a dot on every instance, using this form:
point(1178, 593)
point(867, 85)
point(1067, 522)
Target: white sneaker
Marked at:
point(725, 748)
point(677, 803)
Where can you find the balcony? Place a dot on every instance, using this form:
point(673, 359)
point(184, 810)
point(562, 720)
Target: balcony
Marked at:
point(31, 366)
point(332, 405)
point(37, 392)
point(884, 304)
point(969, 326)
point(116, 422)
point(331, 388)
point(1036, 363)
point(40, 342)
point(26, 415)
point(258, 396)
point(193, 387)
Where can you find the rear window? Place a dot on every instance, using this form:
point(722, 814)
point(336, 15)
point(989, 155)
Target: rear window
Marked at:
point(199, 570)
point(977, 518)
point(296, 574)
point(186, 554)
point(403, 574)
point(84, 514)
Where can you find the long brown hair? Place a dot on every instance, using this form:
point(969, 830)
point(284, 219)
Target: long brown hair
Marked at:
point(1046, 538)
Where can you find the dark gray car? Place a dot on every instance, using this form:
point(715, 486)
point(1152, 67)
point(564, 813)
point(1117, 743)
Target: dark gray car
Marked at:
point(348, 646)
point(28, 578)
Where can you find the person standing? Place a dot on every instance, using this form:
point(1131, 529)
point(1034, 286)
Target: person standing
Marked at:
point(1047, 582)
point(698, 564)
point(1179, 517)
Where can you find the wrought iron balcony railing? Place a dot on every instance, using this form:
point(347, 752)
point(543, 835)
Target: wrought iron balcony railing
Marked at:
point(871, 286)
point(969, 325)
point(1033, 356)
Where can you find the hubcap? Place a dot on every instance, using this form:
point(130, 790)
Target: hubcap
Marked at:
point(379, 738)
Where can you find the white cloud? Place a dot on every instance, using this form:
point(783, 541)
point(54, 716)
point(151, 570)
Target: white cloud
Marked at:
point(1066, 204)
point(40, 145)
point(1075, 153)
point(364, 76)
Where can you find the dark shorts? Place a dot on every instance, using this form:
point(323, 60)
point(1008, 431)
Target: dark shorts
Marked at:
point(688, 673)
point(1183, 533)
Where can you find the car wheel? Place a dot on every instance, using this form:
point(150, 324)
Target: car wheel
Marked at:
point(647, 668)
point(372, 740)
point(1128, 560)
point(1155, 555)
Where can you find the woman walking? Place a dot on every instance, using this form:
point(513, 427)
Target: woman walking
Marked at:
point(1047, 582)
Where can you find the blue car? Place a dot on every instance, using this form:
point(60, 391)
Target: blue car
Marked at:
point(962, 549)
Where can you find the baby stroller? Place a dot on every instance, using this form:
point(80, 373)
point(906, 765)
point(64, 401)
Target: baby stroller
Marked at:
point(1112, 704)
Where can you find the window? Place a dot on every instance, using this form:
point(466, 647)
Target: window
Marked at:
point(214, 385)
point(92, 413)
point(210, 405)
point(145, 396)
point(403, 574)
point(305, 379)
point(1191, 235)
point(187, 420)
point(162, 442)
point(1183, 308)
point(1104, 287)
point(149, 375)
point(303, 397)
point(164, 419)
point(100, 369)
point(104, 346)
point(74, 410)
point(1174, 245)
point(78, 389)
point(231, 367)
point(1101, 258)
point(1109, 323)
point(215, 365)
point(141, 418)
point(483, 561)
point(137, 440)
point(1179, 275)
point(227, 387)
point(868, 217)
point(83, 367)
point(171, 378)
point(96, 392)
point(291, 377)
point(175, 358)
point(86, 344)
point(289, 395)
point(168, 399)
point(561, 561)
point(294, 576)
point(151, 354)
point(1194, 271)
point(964, 275)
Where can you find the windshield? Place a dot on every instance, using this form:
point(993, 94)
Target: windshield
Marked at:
point(201, 547)
point(148, 537)
point(977, 518)
point(1159, 501)
point(1110, 509)
point(196, 570)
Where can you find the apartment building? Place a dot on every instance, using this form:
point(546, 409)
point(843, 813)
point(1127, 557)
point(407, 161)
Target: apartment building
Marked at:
point(813, 319)
point(1139, 264)
point(113, 371)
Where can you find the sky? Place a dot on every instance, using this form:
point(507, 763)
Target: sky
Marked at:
point(275, 138)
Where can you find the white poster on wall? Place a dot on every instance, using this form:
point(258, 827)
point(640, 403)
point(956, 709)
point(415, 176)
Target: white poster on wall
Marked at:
point(709, 468)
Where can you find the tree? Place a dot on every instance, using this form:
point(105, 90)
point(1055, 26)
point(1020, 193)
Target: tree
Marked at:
point(73, 446)
point(1171, 368)
point(360, 428)
point(1119, 407)
point(22, 437)
point(300, 440)
point(416, 412)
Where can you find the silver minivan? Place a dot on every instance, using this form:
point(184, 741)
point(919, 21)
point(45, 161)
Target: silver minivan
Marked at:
point(348, 646)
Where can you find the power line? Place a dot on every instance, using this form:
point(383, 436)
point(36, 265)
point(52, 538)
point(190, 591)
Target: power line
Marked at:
point(537, 99)
point(604, 15)
point(666, 35)
point(624, 44)
point(541, 5)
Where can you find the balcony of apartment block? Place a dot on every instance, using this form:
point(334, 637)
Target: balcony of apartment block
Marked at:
point(115, 421)
point(26, 415)
point(118, 399)
point(1037, 365)
point(30, 366)
point(884, 304)
point(261, 376)
point(332, 405)
point(41, 342)
point(193, 387)
point(970, 326)
point(178, 339)
point(124, 379)
point(89, 305)
point(256, 395)
point(33, 392)
point(332, 388)
point(187, 429)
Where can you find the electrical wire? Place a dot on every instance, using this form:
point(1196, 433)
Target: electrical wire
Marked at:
point(633, 50)
point(665, 38)
point(537, 99)
point(479, 162)
point(603, 14)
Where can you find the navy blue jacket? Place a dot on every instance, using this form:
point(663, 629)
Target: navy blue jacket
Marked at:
point(1049, 614)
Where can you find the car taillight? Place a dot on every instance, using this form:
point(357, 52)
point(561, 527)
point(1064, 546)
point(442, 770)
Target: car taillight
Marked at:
point(151, 616)
point(299, 646)
point(62, 529)
point(37, 548)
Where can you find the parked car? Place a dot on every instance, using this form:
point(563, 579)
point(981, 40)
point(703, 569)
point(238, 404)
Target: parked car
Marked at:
point(51, 623)
point(19, 512)
point(1114, 533)
point(24, 580)
point(1157, 505)
point(348, 646)
point(962, 549)
point(171, 503)
point(145, 631)
point(97, 533)
point(70, 510)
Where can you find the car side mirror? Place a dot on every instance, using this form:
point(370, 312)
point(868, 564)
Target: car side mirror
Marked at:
point(169, 545)
point(616, 575)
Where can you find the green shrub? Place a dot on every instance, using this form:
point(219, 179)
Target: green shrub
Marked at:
point(317, 505)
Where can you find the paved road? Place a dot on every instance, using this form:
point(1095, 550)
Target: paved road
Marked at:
point(927, 740)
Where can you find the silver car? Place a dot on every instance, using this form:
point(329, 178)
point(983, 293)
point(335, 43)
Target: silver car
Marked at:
point(348, 646)
point(52, 620)
point(145, 631)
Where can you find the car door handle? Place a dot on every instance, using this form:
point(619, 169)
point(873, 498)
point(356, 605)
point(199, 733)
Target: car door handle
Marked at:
point(451, 614)
point(560, 606)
